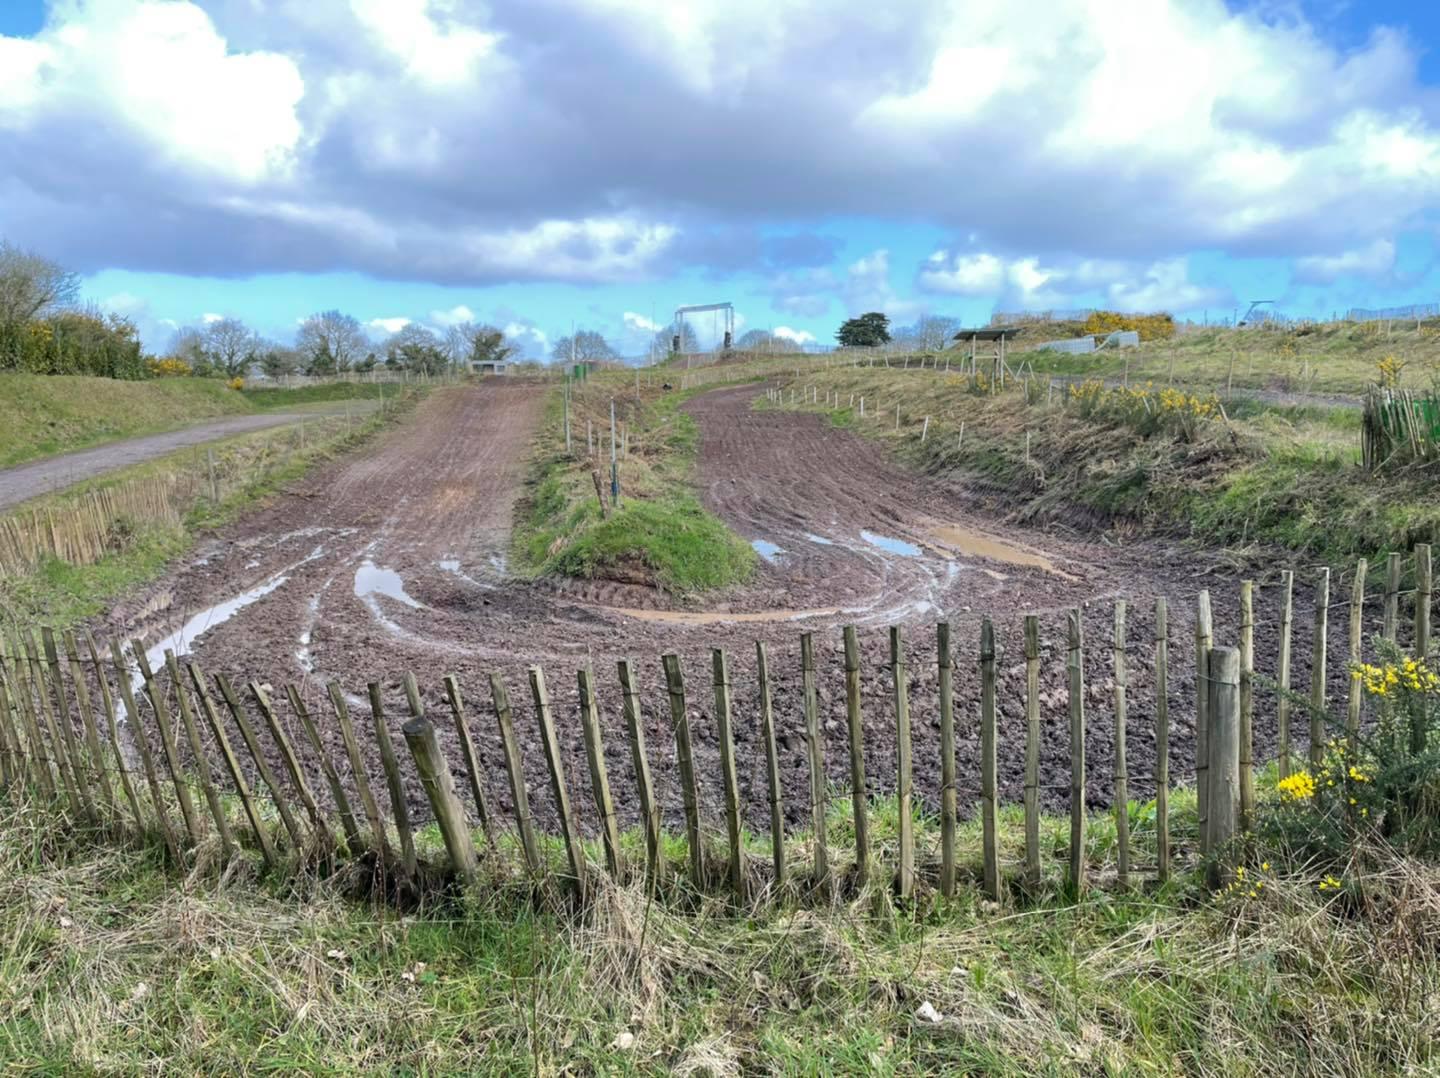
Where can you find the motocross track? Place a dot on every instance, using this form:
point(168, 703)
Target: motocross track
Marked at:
point(393, 560)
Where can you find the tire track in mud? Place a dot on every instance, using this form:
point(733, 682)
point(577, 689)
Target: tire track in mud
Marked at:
point(394, 561)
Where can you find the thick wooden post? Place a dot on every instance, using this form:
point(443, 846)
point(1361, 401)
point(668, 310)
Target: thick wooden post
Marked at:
point(721, 670)
point(1204, 639)
point(1162, 737)
point(1224, 771)
point(232, 764)
point(599, 777)
point(262, 765)
point(640, 758)
point(379, 840)
point(1121, 794)
point(1319, 699)
point(1075, 667)
point(197, 751)
point(859, 797)
point(1247, 705)
point(948, 794)
point(1357, 629)
point(142, 746)
point(1394, 567)
point(112, 725)
point(1032, 750)
point(772, 768)
point(472, 759)
point(904, 780)
point(685, 763)
point(348, 823)
point(551, 744)
point(292, 765)
point(435, 777)
point(504, 720)
point(409, 862)
point(1282, 673)
point(989, 810)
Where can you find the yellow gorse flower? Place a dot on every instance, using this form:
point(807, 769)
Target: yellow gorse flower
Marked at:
point(1297, 787)
point(1411, 674)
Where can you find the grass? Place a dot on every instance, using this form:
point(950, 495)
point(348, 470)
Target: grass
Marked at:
point(273, 398)
point(107, 963)
point(660, 533)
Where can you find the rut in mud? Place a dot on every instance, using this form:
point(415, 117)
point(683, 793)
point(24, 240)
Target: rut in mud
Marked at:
point(394, 561)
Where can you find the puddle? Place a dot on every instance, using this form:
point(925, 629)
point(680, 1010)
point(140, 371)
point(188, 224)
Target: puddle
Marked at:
point(979, 545)
point(766, 549)
point(182, 638)
point(891, 545)
point(372, 580)
point(450, 565)
point(701, 617)
point(819, 539)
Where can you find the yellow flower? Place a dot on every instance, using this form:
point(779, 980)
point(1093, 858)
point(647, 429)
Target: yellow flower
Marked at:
point(1297, 787)
point(1329, 883)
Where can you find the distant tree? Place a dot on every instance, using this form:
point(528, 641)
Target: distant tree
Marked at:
point(762, 340)
point(276, 360)
point(664, 340)
point(187, 344)
point(331, 341)
point(930, 334)
point(414, 348)
point(590, 347)
point(468, 344)
point(864, 332)
point(229, 346)
point(31, 286)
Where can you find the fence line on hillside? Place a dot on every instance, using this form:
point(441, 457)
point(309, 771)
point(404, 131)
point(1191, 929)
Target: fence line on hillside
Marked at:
point(75, 742)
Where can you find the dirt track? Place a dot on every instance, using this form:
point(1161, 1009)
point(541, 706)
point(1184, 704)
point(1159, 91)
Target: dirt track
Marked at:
point(395, 561)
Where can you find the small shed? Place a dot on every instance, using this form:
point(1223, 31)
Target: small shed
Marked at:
point(489, 366)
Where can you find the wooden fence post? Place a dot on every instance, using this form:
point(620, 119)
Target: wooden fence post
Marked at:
point(262, 765)
point(379, 840)
point(112, 726)
point(905, 824)
point(1032, 750)
point(551, 744)
point(1394, 567)
point(64, 764)
point(88, 724)
point(343, 809)
point(1121, 790)
point(1357, 629)
point(27, 723)
point(948, 793)
point(167, 743)
point(83, 780)
point(815, 750)
point(292, 765)
point(1424, 586)
point(685, 764)
point(1247, 705)
point(142, 746)
point(1223, 665)
point(989, 818)
point(1075, 664)
point(772, 768)
point(197, 751)
point(640, 758)
point(435, 777)
point(721, 671)
point(859, 797)
point(599, 778)
point(1319, 699)
point(237, 776)
point(500, 698)
point(472, 759)
point(1282, 675)
point(409, 862)
point(1162, 737)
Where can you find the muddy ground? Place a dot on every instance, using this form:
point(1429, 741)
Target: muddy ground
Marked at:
point(394, 560)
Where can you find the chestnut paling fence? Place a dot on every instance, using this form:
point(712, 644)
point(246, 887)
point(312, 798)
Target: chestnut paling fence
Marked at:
point(223, 766)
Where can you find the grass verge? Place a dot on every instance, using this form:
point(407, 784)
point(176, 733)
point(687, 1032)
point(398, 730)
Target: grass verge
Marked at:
point(659, 534)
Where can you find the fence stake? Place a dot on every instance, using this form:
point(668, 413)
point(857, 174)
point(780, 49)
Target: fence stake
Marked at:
point(815, 748)
point(439, 786)
point(551, 744)
point(599, 779)
point(1121, 793)
point(292, 765)
point(1318, 697)
point(945, 662)
point(859, 798)
point(88, 724)
point(904, 769)
point(1282, 675)
point(685, 762)
point(1032, 750)
point(167, 743)
point(113, 727)
point(1162, 737)
point(379, 840)
point(1357, 615)
point(26, 723)
point(142, 745)
point(1075, 663)
point(772, 768)
point(11, 760)
point(1223, 666)
point(72, 747)
point(721, 672)
point(1247, 705)
point(500, 697)
point(640, 758)
point(79, 805)
point(197, 751)
point(348, 822)
point(232, 764)
point(262, 766)
point(989, 819)
point(472, 758)
point(1424, 584)
point(1204, 638)
point(409, 862)
point(1394, 566)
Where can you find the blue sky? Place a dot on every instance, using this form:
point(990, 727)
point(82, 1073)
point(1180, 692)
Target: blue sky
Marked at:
point(540, 164)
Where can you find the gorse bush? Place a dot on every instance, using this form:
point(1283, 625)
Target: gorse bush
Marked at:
point(1146, 409)
point(1151, 327)
point(74, 342)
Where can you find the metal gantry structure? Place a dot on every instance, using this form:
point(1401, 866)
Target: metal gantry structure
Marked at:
point(700, 308)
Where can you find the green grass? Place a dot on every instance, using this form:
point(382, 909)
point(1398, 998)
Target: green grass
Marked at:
point(41, 415)
point(273, 398)
point(660, 533)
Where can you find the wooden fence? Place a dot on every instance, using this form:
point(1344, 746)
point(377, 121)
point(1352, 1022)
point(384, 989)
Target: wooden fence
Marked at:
point(225, 765)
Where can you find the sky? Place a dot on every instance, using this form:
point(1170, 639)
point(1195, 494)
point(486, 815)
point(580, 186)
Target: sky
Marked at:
point(548, 164)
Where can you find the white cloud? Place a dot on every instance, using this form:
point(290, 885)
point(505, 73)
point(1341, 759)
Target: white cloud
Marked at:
point(963, 275)
point(209, 316)
point(1376, 260)
point(387, 326)
point(867, 288)
point(1164, 286)
point(437, 51)
point(640, 324)
point(453, 317)
point(531, 340)
point(799, 336)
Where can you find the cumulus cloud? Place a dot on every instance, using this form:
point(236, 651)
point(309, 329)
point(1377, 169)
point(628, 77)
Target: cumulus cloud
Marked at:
point(639, 323)
point(386, 326)
point(867, 287)
point(453, 317)
point(799, 336)
point(1374, 260)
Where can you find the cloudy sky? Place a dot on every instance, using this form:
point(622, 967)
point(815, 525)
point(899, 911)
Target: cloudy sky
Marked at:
point(538, 163)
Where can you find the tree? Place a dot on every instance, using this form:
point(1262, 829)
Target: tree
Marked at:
point(762, 340)
point(331, 341)
point(864, 332)
point(276, 360)
point(415, 348)
point(230, 347)
point(664, 339)
point(590, 347)
point(931, 334)
point(469, 344)
point(188, 344)
point(32, 286)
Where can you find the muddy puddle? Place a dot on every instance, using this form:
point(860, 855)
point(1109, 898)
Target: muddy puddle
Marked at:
point(979, 545)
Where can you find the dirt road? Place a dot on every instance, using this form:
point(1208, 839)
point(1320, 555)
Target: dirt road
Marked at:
point(46, 476)
point(395, 562)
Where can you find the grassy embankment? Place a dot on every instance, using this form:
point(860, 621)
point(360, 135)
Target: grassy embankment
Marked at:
point(251, 467)
point(109, 964)
point(1262, 473)
point(660, 533)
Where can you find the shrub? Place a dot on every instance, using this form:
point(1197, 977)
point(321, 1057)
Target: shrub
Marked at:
point(236, 383)
point(1145, 409)
point(169, 367)
point(1159, 326)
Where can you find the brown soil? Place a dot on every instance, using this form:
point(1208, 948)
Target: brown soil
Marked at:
point(394, 561)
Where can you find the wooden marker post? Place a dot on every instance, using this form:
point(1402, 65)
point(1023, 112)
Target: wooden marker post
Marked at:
point(1121, 793)
point(1282, 674)
point(649, 806)
point(1318, 697)
point(1204, 639)
point(1162, 738)
point(989, 817)
point(905, 877)
point(721, 670)
point(1224, 772)
point(1357, 628)
point(859, 797)
point(1394, 567)
point(1075, 668)
point(439, 787)
point(948, 794)
point(685, 764)
point(815, 749)
point(772, 768)
point(1032, 750)
point(1247, 705)
point(599, 777)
